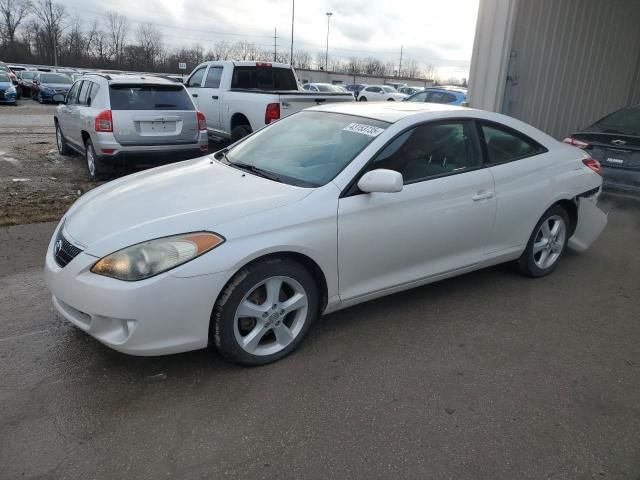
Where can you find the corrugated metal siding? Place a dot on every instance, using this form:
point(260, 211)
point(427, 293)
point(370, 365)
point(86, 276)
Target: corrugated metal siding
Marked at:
point(575, 61)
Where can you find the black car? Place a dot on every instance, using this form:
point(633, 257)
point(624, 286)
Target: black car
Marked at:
point(615, 142)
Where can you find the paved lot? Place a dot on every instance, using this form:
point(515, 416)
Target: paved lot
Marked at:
point(490, 375)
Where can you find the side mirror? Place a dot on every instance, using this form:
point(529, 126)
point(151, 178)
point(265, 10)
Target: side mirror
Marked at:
point(59, 98)
point(381, 180)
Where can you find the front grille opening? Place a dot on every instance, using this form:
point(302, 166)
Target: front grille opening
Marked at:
point(64, 251)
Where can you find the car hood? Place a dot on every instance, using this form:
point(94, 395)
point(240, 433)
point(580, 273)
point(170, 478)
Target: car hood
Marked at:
point(191, 196)
point(5, 84)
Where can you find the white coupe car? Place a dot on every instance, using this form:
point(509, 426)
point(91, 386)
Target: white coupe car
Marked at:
point(377, 93)
point(324, 209)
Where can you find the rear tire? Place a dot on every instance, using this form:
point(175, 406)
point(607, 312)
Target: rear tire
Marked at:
point(239, 132)
point(546, 244)
point(94, 165)
point(61, 142)
point(284, 298)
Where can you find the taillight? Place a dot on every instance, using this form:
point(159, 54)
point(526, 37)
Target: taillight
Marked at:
point(202, 122)
point(263, 65)
point(576, 143)
point(104, 122)
point(593, 165)
point(272, 113)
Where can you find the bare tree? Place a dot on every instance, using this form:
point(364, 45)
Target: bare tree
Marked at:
point(149, 43)
point(49, 27)
point(117, 30)
point(12, 13)
point(302, 59)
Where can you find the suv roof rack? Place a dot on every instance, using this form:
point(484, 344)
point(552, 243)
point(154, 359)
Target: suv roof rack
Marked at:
point(104, 75)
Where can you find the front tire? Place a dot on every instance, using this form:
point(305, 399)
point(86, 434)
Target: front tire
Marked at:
point(546, 244)
point(362, 99)
point(264, 312)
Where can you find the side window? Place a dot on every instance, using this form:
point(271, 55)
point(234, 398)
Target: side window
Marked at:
point(213, 77)
point(93, 93)
point(418, 97)
point(72, 96)
point(449, 98)
point(505, 144)
point(195, 80)
point(436, 97)
point(431, 150)
point(84, 93)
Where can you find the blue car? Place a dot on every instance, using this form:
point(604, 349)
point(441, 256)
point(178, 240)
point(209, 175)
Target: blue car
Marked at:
point(448, 95)
point(7, 90)
point(46, 85)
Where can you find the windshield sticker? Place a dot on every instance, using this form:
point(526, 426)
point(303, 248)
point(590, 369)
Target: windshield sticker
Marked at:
point(369, 130)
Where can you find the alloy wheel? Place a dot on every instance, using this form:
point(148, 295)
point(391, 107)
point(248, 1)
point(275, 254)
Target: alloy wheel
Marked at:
point(549, 242)
point(270, 316)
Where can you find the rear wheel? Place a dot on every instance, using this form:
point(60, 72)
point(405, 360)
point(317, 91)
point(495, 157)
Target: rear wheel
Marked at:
point(61, 142)
point(239, 132)
point(547, 243)
point(264, 312)
point(94, 166)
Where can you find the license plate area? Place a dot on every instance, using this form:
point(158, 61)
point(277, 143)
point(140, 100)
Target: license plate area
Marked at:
point(157, 127)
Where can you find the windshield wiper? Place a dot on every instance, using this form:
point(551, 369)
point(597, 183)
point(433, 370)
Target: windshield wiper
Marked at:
point(253, 169)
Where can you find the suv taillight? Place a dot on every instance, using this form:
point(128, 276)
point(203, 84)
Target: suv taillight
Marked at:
point(272, 113)
point(593, 164)
point(202, 122)
point(104, 122)
point(576, 143)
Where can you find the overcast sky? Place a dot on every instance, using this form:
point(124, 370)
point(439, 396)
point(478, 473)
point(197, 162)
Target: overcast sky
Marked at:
point(438, 32)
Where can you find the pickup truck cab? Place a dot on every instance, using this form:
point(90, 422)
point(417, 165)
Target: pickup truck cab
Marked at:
point(239, 98)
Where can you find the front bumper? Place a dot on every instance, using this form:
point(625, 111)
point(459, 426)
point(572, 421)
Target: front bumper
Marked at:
point(161, 315)
point(7, 97)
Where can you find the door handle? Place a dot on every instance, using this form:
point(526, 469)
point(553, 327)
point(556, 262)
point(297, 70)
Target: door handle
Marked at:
point(194, 94)
point(482, 195)
point(215, 97)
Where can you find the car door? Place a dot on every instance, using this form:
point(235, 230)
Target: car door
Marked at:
point(66, 114)
point(521, 169)
point(194, 84)
point(210, 96)
point(440, 222)
point(75, 112)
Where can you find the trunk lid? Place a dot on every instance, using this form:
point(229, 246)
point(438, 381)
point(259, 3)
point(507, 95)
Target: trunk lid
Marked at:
point(612, 149)
point(148, 114)
point(294, 102)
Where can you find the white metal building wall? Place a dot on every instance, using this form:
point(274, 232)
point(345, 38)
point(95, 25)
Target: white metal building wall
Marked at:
point(563, 63)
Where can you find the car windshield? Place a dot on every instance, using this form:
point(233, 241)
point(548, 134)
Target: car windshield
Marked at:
point(307, 149)
point(389, 89)
point(55, 78)
point(27, 75)
point(322, 87)
point(625, 121)
point(4, 77)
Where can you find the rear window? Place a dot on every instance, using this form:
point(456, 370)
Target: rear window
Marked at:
point(625, 122)
point(263, 78)
point(149, 97)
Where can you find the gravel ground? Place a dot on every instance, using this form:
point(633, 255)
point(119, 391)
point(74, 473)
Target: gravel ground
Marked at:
point(36, 183)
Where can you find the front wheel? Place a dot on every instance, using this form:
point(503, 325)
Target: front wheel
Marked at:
point(362, 99)
point(264, 312)
point(547, 243)
point(391, 99)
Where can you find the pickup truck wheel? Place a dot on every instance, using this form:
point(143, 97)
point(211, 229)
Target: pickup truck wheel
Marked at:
point(239, 132)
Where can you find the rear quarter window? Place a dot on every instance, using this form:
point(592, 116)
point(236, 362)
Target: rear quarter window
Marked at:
point(149, 97)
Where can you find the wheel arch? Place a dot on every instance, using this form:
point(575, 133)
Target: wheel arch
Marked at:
point(85, 136)
point(238, 119)
point(569, 205)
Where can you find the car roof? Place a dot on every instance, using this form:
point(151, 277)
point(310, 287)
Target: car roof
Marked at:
point(387, 111)
point(128, 79)
point(449, 89)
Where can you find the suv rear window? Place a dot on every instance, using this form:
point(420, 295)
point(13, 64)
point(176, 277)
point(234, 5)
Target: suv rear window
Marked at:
point(263, 78)
point(149, 97)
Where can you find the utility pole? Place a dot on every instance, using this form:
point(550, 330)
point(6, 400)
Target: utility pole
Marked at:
point(293, 16)
point(400, 65)
point(275, 44)
point(53, 38)
point(326, 55)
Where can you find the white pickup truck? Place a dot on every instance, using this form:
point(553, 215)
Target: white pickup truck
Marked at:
point(238, 98)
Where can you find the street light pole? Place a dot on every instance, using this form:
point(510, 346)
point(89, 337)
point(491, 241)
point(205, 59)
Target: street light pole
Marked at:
point(326, 55)
point(293, 16)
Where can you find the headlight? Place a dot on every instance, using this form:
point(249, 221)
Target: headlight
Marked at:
point(11, 89)
point(147, 259)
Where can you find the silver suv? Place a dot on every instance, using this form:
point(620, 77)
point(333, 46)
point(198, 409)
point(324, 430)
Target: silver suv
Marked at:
point(118, 120)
